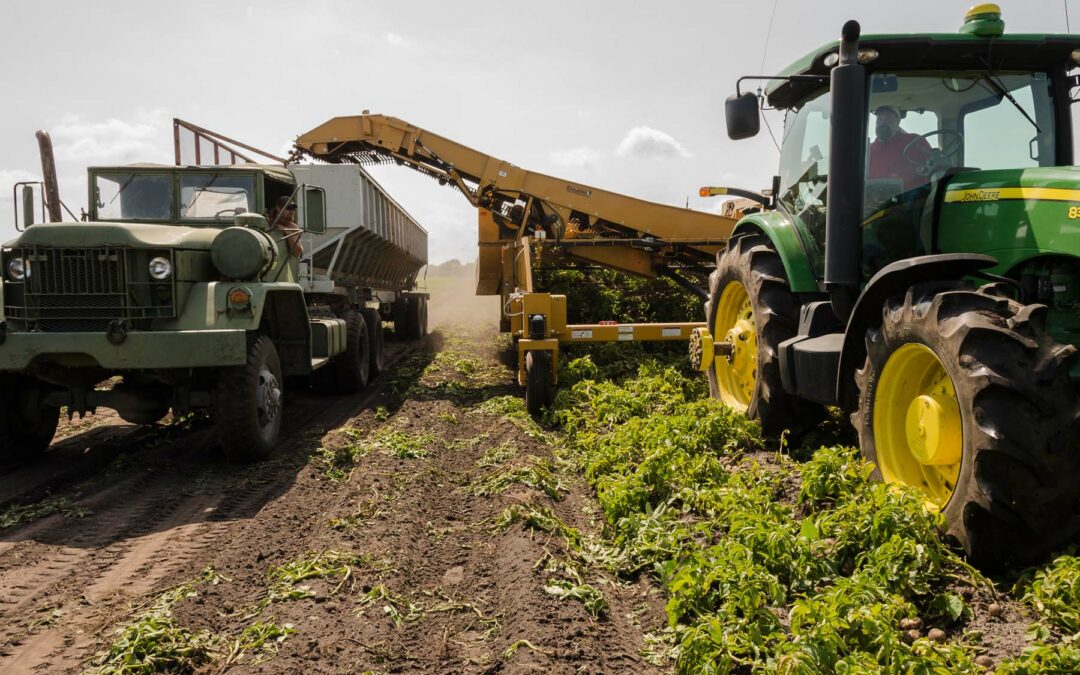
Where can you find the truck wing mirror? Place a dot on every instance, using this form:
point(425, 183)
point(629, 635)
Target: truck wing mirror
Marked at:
point(315, 210)
point(743, 118)
point(27, 205)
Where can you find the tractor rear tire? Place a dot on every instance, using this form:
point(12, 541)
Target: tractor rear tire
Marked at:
point(1015, 425)
point(750, 266)
point(376, 337)
point(353, 366)
point(248, 404)
point(26, 426)
point(539, 390)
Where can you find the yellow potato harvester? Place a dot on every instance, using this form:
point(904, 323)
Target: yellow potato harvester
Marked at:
point(528, 220)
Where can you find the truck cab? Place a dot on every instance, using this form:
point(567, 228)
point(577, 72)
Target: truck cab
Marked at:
point(178, 292)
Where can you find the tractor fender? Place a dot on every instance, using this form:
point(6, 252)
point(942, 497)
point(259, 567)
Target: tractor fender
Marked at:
point(892, 279)
point(792, 244)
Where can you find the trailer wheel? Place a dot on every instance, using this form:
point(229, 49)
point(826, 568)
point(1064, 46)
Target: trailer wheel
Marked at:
point(752, 307)
point(26, 426)
point(248, 404)
point(539, 390)
point(965, 397)
point(353, 366)
point(376, 338)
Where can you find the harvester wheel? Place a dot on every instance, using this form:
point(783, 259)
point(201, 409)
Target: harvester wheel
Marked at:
point(751, 307)
point(966, 397)
point(248, 404)
point(375, 333)
point(26, 426)
point(353, 366)
point(539, 390)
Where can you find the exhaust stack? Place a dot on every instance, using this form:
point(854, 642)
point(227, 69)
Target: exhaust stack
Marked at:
point(48, 173)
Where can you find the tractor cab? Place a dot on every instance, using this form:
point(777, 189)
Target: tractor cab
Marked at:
point(934, 107)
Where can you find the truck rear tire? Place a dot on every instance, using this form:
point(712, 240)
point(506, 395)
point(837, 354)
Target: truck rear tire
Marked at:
point(966, 397)
point(399, 312)
point(751, 304)
point(416, 318)
point(352, 367)
point(375, 334)
point(248, 404)
point(26, 426)
point(539, 390)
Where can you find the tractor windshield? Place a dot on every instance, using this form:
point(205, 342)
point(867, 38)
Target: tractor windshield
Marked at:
point(923, 125)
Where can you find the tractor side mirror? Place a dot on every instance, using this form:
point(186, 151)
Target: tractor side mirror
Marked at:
point(743, 118)
point(315, 210)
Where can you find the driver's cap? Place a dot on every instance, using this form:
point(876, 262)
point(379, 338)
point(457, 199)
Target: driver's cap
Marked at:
point(887, 108)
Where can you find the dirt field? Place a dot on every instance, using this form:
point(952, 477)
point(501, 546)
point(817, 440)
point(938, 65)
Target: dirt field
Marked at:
point(385, 535)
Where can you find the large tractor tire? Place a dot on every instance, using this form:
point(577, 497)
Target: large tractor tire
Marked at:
point(751, 305)
point(377, 362)
point(965, 397)
point(26, 425)
point(539, 390)
point(248, 404)
point(353, 366)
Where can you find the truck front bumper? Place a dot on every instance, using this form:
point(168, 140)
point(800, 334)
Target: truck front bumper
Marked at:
point(139, 351)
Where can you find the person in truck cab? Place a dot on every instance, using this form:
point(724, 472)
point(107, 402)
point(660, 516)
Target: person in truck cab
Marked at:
point(887, 156)
point(283, 218)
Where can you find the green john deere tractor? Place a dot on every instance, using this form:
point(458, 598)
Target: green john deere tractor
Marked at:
point(917, 263)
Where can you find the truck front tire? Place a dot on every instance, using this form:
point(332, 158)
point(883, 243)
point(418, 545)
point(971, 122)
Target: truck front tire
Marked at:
point(249, 403)
point(26, 426)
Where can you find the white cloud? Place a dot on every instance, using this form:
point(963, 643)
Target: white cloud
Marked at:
point(582, 157)
point(143, 138)
point(398, 40)
point(649, 143)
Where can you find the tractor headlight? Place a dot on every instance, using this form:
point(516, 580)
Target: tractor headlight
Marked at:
point(160, 268)
point(18, 269)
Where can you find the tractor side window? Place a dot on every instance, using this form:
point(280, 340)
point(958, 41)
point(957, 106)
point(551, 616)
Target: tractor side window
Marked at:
point(804, 163)
point(997, 135)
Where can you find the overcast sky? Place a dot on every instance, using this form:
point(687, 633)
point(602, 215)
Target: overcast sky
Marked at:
point(624, 96)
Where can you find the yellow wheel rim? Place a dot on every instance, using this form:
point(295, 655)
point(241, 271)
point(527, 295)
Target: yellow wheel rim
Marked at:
point(736, 374)
point(918, 435)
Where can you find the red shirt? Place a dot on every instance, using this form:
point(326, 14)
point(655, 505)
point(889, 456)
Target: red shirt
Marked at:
point(887, 159)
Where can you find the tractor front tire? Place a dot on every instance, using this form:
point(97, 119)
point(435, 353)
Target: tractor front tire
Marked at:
point(539, 390)
point(248, 404)
point(752, 306)
point(966, 397)
point(26, 426)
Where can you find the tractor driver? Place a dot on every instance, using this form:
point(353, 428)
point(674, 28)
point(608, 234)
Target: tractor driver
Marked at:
point(887, 156)
point(283, 219)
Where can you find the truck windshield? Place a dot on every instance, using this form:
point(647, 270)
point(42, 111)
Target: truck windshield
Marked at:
point(132, 196)
point(215, 196)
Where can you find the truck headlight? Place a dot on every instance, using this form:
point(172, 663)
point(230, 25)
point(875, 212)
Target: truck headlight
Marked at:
point(18, 269)
point(160, 268)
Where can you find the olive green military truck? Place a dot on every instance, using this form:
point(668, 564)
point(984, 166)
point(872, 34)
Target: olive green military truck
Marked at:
point(179, 292)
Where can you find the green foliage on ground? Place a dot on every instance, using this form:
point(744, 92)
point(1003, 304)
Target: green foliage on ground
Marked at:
point(770, 564)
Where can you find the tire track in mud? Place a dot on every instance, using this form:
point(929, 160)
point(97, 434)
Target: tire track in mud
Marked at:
point(142, 528)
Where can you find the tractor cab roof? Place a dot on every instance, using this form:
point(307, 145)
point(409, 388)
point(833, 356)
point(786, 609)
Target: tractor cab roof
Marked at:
point(942, 51)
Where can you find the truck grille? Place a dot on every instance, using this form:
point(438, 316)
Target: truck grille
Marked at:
point(84, 289)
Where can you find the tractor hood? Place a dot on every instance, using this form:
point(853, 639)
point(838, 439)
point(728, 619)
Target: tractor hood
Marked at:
point(1012, 214)
point(130, 235)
